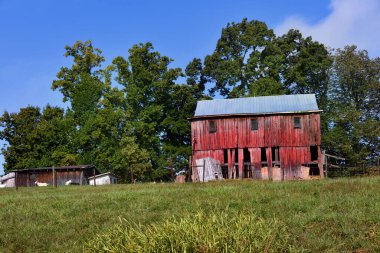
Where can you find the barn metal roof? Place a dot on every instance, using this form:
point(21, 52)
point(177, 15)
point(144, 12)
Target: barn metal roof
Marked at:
point(257, 105)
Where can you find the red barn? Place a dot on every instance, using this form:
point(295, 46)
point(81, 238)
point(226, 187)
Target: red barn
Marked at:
point(269, 137)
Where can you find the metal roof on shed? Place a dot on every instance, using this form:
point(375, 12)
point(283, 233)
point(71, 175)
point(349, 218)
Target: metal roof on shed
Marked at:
point(257, 105)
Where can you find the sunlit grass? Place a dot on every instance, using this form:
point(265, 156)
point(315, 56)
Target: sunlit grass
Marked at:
point(200, 232)
point(323, 216)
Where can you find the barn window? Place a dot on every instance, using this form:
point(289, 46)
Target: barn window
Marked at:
point(212, 126)
point(297, 122)
point(254, 124)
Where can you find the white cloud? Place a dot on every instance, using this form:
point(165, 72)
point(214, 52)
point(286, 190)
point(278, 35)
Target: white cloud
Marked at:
point(350, 22)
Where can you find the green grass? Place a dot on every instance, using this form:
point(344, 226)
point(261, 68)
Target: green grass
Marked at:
point(201, 232)
point(341, 215)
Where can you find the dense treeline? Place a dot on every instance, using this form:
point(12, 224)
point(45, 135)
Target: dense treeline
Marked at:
point(131, 117)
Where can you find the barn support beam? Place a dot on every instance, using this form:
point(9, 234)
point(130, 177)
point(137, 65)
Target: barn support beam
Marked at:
point(230, 162)
point(255, 154)
point(269, 160)
point(241, 162)
point(233, 168)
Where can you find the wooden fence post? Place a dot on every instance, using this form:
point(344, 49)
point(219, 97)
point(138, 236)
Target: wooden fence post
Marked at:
point(94, 177)
point(16, 179)
point(171, 169)
point(54, 178)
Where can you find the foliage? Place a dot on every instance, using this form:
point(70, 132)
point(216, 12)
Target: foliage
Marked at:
point(199, 232)
point(131, 117)
point(154, 100)
point(235, 62)
point(35, 138)
point(353, 112)
point(249, 60)
point(87, 60)
point(321, 215)
point(305, 66)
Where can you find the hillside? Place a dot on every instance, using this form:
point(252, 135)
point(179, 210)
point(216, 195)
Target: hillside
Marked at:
point(323, 215)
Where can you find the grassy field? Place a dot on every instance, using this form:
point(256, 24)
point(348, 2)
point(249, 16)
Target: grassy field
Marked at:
point(341, 215)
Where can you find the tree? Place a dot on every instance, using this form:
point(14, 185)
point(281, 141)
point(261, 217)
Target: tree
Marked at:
point(98, 112)
point(176, 135)
point(130, 161)
point(148, 85)
point(249, 60)
point(35, 138)
point(235, 64)
point(305, 66)
point(87, 60)
point(353, 111)
point(195, 78)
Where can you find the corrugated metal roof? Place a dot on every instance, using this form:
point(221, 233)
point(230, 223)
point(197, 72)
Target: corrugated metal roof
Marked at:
point(257, 105)
point(71, 167)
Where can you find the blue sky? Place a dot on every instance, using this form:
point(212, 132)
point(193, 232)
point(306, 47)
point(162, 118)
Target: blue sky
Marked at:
point(33, 33)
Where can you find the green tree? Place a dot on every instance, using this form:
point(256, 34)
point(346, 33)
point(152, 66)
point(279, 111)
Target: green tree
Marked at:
point(353, 110)
point(235, 64)
point(195, 78)
point(130, 161)
point(249, 60)
point(87, 60)
point(35, 138)
point(148, 84)
point(305, 66)
point(99, 113)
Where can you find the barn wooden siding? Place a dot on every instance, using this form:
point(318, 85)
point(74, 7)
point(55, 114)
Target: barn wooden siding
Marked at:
point(234, 134)
point(77, 175)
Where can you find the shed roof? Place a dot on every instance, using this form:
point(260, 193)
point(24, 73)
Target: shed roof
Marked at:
point(257, 105)
point(62, 168)
point(102, 175)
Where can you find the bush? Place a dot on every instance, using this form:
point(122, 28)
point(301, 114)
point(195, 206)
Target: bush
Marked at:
point(215, 232)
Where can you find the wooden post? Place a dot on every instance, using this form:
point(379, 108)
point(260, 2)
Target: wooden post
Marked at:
point(81, 178)
point(204, 169)
point(16, 179)
point(321, 156)
point(268, 154)
point(190, 173)
point(241, 162)
point(326, 165)
point(171, 169)
point(229, 157)
point(94, 177)
point(54, 179)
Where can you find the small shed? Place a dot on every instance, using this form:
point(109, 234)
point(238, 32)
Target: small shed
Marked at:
point(78, 174)
point(102, 179)
point(8, 179)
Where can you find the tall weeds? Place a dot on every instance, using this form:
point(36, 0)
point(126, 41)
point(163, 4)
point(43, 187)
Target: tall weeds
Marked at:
point(201, 232)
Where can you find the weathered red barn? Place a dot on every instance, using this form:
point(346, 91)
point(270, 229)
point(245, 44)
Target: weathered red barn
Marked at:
point(269, 137)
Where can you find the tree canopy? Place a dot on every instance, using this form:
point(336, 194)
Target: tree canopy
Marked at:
point(131, 117)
